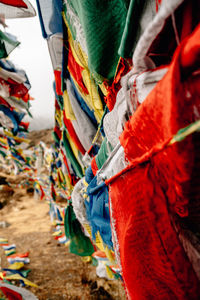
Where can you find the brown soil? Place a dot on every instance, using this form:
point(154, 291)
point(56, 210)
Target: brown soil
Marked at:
point(42, 135)
point(59, 274)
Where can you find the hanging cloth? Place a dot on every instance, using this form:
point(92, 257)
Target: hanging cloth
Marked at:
point(79, 243)
point(160, 185)
point(50, 17)
point(97, 210)
point(17, 3)
point(140, 14)
point(70, 155)
point(103, 24)
point(16, 9)
point(8, 43)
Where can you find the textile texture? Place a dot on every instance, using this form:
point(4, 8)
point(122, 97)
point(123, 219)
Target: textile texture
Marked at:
point(17, 3)
point(145, 199)
point(97, 210)
point(79, 243)
point(103, 24)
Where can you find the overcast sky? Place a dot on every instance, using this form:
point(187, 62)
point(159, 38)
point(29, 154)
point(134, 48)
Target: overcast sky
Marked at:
point(33, 56)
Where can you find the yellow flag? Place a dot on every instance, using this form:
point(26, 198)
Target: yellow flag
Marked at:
point(19, 277)
point(16, 266)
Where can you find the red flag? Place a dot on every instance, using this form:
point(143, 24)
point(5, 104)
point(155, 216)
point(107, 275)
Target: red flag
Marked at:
point(17, 3)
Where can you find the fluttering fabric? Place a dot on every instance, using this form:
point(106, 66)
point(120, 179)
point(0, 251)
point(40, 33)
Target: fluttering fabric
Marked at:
point(103, 24)
point(89, 112)
point(77, 63)
point(102, 155)
point(97, 92)
point(16, 9)
point(8, 43)
point(79, 243)
point(139, 15)
point(97, 210)
point(115, 163)
point(14, 292)
point(68, 125)
point(78, 202)
point(17, 3)
point(71, 157)
point(50, 16)
point(176, 18)
point(83, 122)
point(157, 188)
point(14, 117)
point(55, 46)
point(123, 68)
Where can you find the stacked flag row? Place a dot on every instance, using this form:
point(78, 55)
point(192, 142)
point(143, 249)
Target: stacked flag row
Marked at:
point(14, 93)
point(17, 261)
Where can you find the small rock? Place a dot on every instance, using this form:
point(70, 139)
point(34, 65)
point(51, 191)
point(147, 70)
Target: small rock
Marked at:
point(4, 224)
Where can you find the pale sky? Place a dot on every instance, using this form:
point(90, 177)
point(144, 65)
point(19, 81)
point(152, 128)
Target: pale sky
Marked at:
point(33, 56)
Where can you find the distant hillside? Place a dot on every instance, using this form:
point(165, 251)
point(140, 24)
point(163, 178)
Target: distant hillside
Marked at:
point(39, 123)
point(42, 135)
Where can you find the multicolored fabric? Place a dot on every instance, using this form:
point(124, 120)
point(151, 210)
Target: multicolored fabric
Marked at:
point(79, 243)
point(17, 3)
point(150, 177)
point(81, 75)
point(159, 185)
point(16, 9)
point(97, 210)
point(50, 16)
point(8, 43)
point(71, 157)
point(139, 15)
point(103, 24)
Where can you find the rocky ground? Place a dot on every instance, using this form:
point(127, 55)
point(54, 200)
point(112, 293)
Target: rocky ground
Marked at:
point(59, 274)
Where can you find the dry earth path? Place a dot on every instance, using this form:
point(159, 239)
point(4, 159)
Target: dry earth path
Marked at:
point(60, 275)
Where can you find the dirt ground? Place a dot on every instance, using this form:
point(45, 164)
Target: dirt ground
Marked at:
point(59, 274)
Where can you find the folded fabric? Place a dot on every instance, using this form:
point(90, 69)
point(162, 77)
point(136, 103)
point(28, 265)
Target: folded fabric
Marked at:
point(24, 294)
point(13, 116)
point(9, 71)
point(68, 125)
point(9, 247)
point(76, 71)
point(8, 43)
point(70, 155)
point(79, 243)
point(97, 210)
point(83, 123)
point(103, 23)
point(127, 100)
point(115, 163)
point(78, 204)
point(21, 278)
point(82, 76)
point(176, 18)
point(161, 185)
point(111, 89)
point(17, 3)
point(55, 46)
point(16, 266)
point(16, 82)
point(89, 174)
point(25, 260)
point(75, 26)
point(50, 16)
point(139, 15)
point(89, 112)
point(16, 9)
